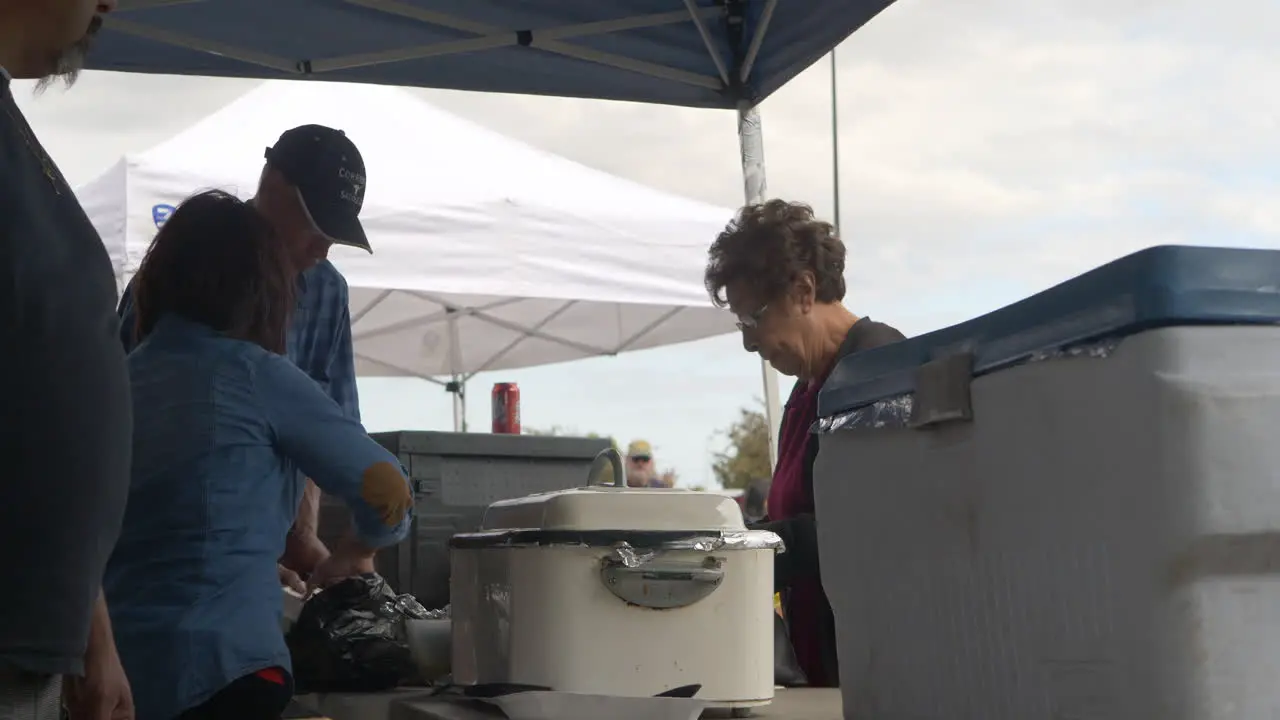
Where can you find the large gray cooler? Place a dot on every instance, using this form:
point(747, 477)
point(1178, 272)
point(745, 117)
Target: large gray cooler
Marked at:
point(1069, 508)
point(455, 477)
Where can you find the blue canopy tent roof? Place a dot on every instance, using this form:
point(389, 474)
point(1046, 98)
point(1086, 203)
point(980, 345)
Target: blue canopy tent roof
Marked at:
point(699, 53)
point(728, 54)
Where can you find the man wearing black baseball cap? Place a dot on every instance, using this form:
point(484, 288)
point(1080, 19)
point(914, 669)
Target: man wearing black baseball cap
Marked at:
point(311, 190)
point(313, 185)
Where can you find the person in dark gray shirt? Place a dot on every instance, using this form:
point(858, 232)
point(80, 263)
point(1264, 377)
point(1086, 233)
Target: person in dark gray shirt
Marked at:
point(65, 414)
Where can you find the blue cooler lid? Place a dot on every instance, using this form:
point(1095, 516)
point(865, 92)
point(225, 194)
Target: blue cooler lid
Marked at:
point(1157, 287)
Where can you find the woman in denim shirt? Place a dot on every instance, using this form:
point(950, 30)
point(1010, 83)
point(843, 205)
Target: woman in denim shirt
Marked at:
point(225, 428)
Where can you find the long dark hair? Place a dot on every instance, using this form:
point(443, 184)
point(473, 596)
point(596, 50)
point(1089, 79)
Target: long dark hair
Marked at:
point(216, 261)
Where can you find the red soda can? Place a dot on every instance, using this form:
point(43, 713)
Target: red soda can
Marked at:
point(506, 409)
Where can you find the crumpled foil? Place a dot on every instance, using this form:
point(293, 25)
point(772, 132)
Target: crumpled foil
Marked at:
point(895, 412)
point(443, 613)
point(1100, 349)
point(709, 542)
point(631, 557)
point(408, 606)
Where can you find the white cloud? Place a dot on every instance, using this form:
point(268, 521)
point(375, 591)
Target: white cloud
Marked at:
point(961, 123)
point(989, 147)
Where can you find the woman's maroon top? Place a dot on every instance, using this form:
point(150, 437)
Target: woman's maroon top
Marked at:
point(809, 618)
point(788, 498)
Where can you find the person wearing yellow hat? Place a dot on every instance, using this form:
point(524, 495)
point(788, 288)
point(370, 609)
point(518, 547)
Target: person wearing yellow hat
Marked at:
point(640, 472)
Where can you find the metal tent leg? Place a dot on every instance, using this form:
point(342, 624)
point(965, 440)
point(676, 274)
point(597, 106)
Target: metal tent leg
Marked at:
point(751, 144)
point(457, 387)
point(458, 384)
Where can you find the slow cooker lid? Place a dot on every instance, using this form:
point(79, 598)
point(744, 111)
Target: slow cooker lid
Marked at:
point(621, 509)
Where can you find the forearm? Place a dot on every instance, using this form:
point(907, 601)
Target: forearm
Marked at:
point(307, 521)
point(303, 550)
point(100, 636)
point(352, 547)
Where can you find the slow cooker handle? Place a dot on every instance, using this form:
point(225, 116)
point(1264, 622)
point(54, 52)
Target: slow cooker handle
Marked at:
point(614, 459)
point(662, 584)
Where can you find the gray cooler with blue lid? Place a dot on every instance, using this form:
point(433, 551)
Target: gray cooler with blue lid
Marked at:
point(1068, 508)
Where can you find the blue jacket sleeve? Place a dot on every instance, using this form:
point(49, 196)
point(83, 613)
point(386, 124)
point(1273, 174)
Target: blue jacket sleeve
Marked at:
point(333, 449)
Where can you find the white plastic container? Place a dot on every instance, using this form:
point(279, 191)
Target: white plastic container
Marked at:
point(429, 646)
point(292, 608)
point(617, 591)
point(1083, 524)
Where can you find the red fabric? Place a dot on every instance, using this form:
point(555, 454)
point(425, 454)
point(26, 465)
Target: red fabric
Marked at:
point(788, 498)
point(272, 675)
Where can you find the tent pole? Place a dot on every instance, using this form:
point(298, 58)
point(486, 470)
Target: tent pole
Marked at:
point(751, 144)
point(835, 146)
point(458, 385)
point(458, 389)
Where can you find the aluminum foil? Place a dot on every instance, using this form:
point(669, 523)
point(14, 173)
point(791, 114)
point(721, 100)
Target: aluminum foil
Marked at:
point(742, 540)
point(406, 605)
point(732, 540)
point(1100, 349)
point(631, 557)
point(443, 613)
point(895, 412)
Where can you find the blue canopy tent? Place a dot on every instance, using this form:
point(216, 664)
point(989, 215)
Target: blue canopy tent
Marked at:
point(727, 54)
point(700, 53)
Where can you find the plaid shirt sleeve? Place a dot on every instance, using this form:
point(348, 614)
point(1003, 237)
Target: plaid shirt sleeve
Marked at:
point(320, 336)
point(342, 362)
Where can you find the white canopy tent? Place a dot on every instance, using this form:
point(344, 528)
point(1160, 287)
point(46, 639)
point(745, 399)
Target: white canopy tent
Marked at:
point(489, 254)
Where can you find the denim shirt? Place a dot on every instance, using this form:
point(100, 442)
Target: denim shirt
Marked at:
point(319, 333)
point(221, 430)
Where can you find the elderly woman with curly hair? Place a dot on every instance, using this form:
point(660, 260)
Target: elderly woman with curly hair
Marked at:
point(781, 271)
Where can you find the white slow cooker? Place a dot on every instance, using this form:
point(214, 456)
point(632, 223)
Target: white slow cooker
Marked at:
point(616, 591)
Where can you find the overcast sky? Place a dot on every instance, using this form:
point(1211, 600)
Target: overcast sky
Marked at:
point(989, 149)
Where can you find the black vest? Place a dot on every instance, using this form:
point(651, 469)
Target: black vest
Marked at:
point(65, 415)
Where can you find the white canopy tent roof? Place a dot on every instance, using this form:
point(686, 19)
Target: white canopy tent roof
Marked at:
point(489, 254)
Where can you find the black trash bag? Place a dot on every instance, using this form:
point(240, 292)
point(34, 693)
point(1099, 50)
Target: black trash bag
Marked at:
point(351, 637)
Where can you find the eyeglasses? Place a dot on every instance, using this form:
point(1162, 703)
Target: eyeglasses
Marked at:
point(752, 321)
point(640, 459)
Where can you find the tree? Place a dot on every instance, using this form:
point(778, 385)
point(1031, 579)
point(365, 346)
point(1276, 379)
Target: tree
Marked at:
point(746, 459)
